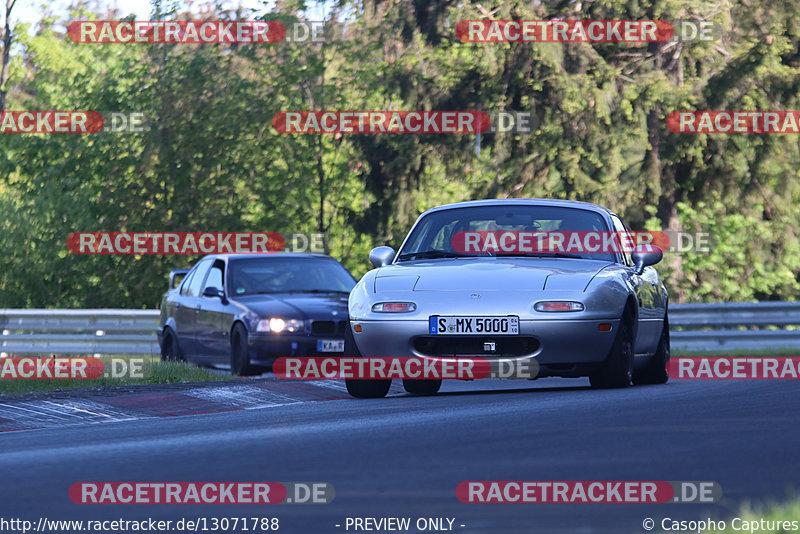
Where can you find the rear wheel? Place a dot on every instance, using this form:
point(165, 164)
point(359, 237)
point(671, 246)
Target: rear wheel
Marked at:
point(362, 389)
point(656, 370)
point(422, 387)
point(240, 353)
point(617, 371)
point(170, 350)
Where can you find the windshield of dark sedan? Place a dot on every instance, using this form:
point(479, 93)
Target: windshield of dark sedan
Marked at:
point(247, 276)
point(433, 236)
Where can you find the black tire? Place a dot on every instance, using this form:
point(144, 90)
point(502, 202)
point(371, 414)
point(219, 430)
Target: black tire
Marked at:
point(422, 387)
point(617, 371)
point(655, 372)
point(170, 350)
point(368, 389)
point(362, 389)
point(240, 354)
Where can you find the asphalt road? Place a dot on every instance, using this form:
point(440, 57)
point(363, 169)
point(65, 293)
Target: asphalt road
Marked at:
point(404, 456)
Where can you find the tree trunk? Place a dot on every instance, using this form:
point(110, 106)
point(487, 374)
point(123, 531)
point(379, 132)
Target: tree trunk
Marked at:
point(6, 55)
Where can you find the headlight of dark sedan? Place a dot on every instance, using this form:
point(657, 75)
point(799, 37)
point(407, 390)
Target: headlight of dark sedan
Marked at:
point(276, 325)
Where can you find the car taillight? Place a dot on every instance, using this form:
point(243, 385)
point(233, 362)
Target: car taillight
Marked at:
point(558, 306)
point(394, 307)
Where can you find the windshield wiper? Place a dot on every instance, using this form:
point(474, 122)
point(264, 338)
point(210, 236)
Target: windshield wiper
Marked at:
point(273, 292)
point(432, 254)
point(317, 291)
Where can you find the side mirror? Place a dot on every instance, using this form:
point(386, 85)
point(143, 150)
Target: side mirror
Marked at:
point(644, 256)
point(175, 277)
point(211, 291)
point(381, 256)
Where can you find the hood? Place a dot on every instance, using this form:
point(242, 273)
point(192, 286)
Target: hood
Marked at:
point(489, 274)
point(299, 305)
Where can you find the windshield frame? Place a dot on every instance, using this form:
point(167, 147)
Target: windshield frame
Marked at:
point(229, 268)
point(603, 215)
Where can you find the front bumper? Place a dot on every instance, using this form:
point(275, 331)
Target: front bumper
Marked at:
point(265, 348)
point(561, 347)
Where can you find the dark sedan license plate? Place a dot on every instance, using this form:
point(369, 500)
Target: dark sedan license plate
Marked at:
point(458, 325)
point(330, 345)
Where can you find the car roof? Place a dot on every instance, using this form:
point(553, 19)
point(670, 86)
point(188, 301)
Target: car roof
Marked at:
point(524, 202)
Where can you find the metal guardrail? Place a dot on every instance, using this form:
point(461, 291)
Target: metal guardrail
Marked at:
point(707, 327)
point(735, 326)
point(101, 331)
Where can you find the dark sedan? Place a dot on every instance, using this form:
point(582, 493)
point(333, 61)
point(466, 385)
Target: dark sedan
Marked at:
point(247, 310)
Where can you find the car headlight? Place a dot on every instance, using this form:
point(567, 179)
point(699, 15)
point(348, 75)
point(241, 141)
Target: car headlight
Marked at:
point(278, 325)
point(394, 307)
point(558, 306)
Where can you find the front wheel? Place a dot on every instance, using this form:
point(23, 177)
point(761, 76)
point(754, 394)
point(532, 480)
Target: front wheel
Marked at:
point(367, 388)
point(655, 372)
point(240, 353)
point(617, 371)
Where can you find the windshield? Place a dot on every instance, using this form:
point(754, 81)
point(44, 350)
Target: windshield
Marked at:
point(441, 234)
point(248, 276)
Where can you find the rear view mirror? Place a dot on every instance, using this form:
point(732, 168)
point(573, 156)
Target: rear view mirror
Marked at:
point(514, 219)
point(176, 276)
point(381, 256)
point(212, 292)
point(644, 256)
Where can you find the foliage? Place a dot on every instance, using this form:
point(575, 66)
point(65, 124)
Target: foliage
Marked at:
point(209, 158)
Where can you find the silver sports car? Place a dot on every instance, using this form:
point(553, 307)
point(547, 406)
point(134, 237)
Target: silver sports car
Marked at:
point(466, 282)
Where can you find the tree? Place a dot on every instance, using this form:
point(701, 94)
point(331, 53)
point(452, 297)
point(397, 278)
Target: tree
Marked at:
point(7, 40)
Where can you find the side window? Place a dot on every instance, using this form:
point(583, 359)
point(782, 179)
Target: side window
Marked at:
point(195, 288)
point(186, 281)
point(214, 277)
point(620, 228)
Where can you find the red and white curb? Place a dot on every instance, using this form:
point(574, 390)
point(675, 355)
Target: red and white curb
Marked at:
point(23, 413)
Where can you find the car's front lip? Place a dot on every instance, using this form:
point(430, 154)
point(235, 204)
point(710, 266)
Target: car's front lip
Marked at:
point(265, 347)
point(561, 341)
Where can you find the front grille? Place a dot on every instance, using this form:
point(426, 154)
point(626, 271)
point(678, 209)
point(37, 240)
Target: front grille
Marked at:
point(327, 328)
point(473, 345)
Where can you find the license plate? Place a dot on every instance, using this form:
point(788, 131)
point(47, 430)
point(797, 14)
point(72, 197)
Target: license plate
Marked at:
point(330, 345)
point(455, 325)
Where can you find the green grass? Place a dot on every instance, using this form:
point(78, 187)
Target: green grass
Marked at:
point(788, 511)
point(153, 372)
